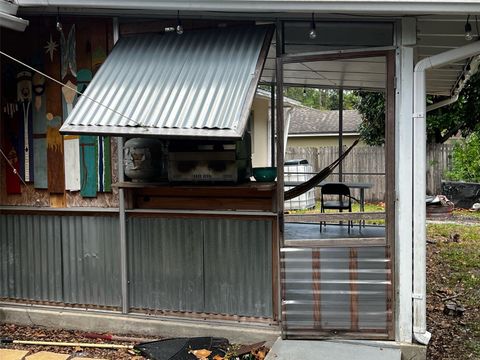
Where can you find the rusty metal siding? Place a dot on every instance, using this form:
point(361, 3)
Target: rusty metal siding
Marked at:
point(215, 266)
point(166, 84)
point(218, 266)
point(165, 264)
point(30, 258)
point(91, 260)
point(238, 267)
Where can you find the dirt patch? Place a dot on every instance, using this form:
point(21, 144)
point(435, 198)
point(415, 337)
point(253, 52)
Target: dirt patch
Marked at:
point(42, 334)
point(37, 333)
point(452, 279)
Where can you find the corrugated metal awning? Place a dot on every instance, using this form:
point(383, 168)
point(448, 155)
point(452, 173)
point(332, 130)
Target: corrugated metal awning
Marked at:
point(199, 84)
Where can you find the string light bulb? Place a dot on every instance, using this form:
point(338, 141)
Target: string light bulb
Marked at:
point(59, 24)
point(468, 30)
point(179, 27)
point(312, 34)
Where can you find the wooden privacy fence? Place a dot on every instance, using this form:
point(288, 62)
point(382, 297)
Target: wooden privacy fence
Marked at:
point(366, 164)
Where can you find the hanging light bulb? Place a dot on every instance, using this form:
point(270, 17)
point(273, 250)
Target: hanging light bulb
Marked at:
point(59, 24)
point(312, 34)
point(468, 30)
point(179, 27)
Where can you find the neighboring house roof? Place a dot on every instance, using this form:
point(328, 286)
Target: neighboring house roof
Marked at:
point(286, 100)
point(305, 121)
point(199, 84)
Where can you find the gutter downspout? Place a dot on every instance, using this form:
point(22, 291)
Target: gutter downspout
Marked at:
point(442, 103)
point(420, 332)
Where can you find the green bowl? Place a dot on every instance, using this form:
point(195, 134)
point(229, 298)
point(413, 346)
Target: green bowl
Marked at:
point(265, 174)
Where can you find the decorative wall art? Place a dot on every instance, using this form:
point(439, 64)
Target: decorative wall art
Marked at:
point(24, 98)
point(54, 111)
point(68, 51)
point(39, 132)
point(34, 107)
point(11, 130)
point(51, 47)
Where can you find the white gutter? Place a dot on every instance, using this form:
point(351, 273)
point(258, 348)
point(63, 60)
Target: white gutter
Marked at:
point(8, 18)
point(12, 22)
point(442, 103)
point(405, 7)
point(420, 332)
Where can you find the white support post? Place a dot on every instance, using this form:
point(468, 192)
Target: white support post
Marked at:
point(403, 181)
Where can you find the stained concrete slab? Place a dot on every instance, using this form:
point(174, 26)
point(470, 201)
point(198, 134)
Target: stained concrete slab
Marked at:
point(329, 349)
point(11, 354)
point(47, 355)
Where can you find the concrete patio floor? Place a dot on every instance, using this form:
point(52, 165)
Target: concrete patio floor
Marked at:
point(311, 231)
point(331, 349)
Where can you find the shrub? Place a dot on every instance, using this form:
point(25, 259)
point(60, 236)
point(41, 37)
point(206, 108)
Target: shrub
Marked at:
point(466, 160)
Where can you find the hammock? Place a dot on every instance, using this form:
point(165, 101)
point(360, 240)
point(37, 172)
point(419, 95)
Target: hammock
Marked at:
point(314, 181)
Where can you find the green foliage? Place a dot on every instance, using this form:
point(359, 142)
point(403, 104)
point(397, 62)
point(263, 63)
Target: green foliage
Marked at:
point(466, 160)
point(463, 116)
point(372, 108)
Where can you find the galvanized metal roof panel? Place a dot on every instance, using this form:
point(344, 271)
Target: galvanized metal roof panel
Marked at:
point(201, 83)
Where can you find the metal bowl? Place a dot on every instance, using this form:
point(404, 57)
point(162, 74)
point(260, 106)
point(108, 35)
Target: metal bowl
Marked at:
point(265, 174)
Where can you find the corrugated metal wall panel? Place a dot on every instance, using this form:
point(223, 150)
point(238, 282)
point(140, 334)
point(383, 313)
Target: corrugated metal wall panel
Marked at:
point(91, 260)
point(165, 264)
point(195, 265)
point(199, 80)
point(238, 267)
point(30, 256)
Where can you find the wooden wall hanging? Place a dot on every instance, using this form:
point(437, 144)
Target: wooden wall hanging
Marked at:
point(53, 107)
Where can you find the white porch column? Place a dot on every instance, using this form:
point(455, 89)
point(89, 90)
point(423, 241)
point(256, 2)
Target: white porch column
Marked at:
point(404, 180)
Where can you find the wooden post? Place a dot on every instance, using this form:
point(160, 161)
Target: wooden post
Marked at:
point(390, 180)
point(353, 266)
point(340, 132)
point(316, 288)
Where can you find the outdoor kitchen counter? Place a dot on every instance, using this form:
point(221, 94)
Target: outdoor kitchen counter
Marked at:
point(256, 196)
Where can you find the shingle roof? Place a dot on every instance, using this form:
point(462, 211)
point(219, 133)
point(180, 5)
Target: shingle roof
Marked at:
point(305, 120)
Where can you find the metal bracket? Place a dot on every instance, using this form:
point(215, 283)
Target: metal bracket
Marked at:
point(418, 115)
point(417, 296)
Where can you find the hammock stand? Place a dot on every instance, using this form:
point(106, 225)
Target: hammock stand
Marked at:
point(318, 178)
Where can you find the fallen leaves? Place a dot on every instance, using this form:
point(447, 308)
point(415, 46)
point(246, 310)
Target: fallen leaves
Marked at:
point(201, 354)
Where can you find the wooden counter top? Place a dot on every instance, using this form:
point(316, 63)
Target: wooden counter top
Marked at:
point(257, 196)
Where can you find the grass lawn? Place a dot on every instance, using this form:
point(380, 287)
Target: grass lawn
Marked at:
point(369, 207)
point(467, 214)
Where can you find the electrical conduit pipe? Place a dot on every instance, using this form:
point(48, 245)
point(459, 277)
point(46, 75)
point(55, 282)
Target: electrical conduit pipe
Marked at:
point(420, 332)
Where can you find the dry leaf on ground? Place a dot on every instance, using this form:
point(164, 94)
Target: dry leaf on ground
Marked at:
point(201, 354)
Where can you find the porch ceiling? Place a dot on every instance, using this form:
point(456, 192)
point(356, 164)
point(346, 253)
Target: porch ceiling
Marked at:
point(435, 34)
